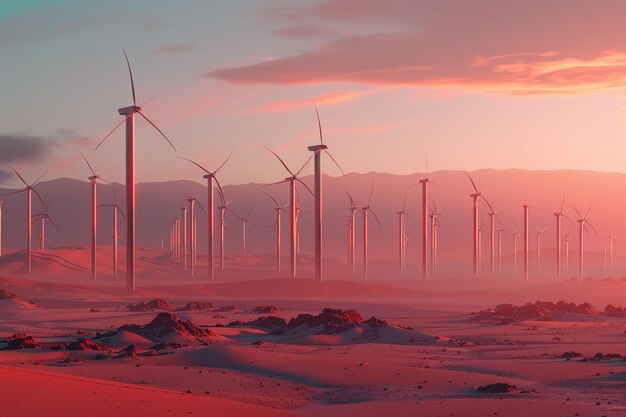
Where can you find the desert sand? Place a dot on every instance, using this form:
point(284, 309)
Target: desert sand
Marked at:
point(189, 347)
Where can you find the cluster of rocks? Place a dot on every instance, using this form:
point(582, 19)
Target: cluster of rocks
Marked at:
point(156, 304)
point(329, 321)
point(271, 309)
point(613, 311)
point(197, 306)
point(163, 325)
point(497, 388)
point(539, 310)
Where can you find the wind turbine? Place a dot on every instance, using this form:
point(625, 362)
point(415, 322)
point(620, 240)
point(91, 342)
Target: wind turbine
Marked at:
point(479, 252)
point(365, 210)
point(129, 117)
point(1, 207)
point(582, 229)
point(317, 152)
point(192, 200)
point(476, 196)
point(244, 225)
point(558, 217)
point(539, 233)
point(424, 181)
point(492, 229)
point(515, 235)
point(499, 234)
point(183, 235)
point(353, 209)
point(116, 209)
point(41, 218)
point(402, 238)
point(525, 243)
point(211, 177)
point(567, 253)
point(277, 229)
point(222, 210)
point(29, 226)
point(93, 180)
point(293, 206)
point(434, 226)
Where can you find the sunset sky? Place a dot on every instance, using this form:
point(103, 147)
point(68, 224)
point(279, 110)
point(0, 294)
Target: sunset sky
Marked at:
point(480, 84)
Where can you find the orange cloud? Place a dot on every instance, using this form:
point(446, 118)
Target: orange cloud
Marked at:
point(323, 100)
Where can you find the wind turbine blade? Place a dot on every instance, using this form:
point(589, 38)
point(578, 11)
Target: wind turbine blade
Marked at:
point(319, 123)
point(13, 192)
point(568, 218)
point(352, 205)
point(249, 212)
point(305, 186)
point(38, 196)
point(132, 82)
point(488, 204)
point(159, 130)
point(202, 207)
point(371, 193)
point(336, 163)
point(39, 179)
point(594, 230)
point(281, 161)
point(404, 203)
point(588, 210)
point(88, 164)
point(380, 226)
point(273, 199)
point(195, 163)
point(224, 163)
point(111, 132)
point(472, 181)
point(580, 216)
point(562, 203)
point(53, 223)
point(19, 176)
point(121, 211)
point(304, 165)
point(114, 192)
point(220, 191)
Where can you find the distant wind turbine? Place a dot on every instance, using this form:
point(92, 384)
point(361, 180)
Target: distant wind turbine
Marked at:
point(365, 210)
point(402, 238)
point(183, 235)
point(129, 117)
point(211, 177)
point(539, 233)
point(435, 213)
point(244, 226)
point(317, 225)
point(424, 181)
point(292, 207)
point(583, 222)
point(558, 217)
point(277, 223)
point(353, 210)
point(116, 208)
point(192, 200)
point(41, 218)
point(29, 226)
point(476, 196)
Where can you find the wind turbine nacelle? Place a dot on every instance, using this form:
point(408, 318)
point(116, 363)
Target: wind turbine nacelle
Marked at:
point(316, 148)
point(125, 111)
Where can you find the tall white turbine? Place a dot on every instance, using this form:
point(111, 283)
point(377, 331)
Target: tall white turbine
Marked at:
point(42, 218)
point(222, 210)
point(365, 210)
point(29, 226)
point(583, 222)
point(435, 213)
point(93, 181)
point(244, 226)
point(558, 216)
point(515, 235)
point(539, 233)
point(525, 243)
point(116, 208)
point(476, 196)
point(402, 238)
point(317, 225)
point(129, 117)
point(183, 235)
point(567, 253)
point(192, 200)
point(492, 232)
point(424, 216)
point(353, 210)
point(277, 229)
point(211, 177)
point(1, 207)
point(499, 234)
point(291, 180)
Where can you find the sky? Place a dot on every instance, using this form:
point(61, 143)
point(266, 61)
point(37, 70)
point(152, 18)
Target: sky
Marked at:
point(482, 84)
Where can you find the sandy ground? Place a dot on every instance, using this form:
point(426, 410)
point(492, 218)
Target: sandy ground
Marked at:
point(428, 361)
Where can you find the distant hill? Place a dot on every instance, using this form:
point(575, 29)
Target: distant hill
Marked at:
point(507, 190)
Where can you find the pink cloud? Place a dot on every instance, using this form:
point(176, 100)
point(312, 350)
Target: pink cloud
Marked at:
point(505, 46)
point(337, 97)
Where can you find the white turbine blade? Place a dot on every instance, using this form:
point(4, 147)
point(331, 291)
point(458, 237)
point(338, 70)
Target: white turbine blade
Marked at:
point(281, 161)
point(319, 123)
point(304, 165)
point(111, 132)
point(158, 130)
point(19, 176)
point(472, 181)
point(88, 164)
point(336, 163)
point(224, 163)
point(195, 163)
point(132, 82)
point(305, 186)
